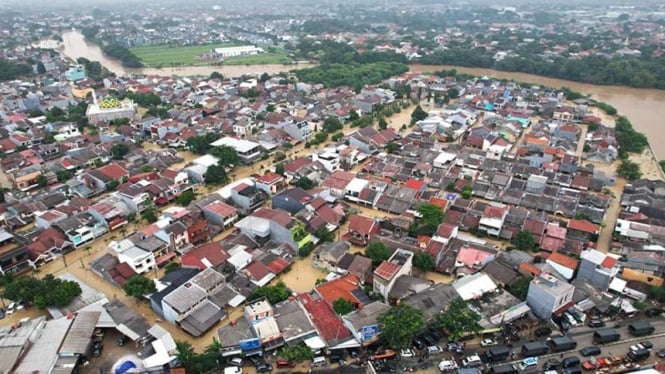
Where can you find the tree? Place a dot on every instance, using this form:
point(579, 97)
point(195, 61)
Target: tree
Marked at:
point(264, 77)
point(332, 124)
point(119, 150)
point(353, 115)
point(304, 183)
point(201, 144)
point(458, 319)
point(467, 192)
point(64, 175)
point(40, 68)
point(149, 215)
point(215, 174)
point(524, 241)
point(383, 124)
point(216, 75)
point(186, 197)
point(279, 169)
point(629, 170)
point(171, 266)
point(431, 217)
point(274, 294)
point(296, 353)
point(418, 114)
point(378, 252)
point(270, 108)
point(324, 235)
point(400, 324)
point(185, 354)
point(139, 286)
point(392, 147)
point(423, 261)
point(49, 291)
point(520, 287)
point(42, 181)
point(227, 155)
point(342, 306)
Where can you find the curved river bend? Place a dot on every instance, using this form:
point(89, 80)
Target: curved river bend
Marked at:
point(644, 107)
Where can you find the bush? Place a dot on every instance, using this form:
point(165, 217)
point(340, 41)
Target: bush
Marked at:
point(629, 170)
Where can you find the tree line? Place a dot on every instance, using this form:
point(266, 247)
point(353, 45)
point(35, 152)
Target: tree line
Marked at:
point(641, 72)
point(353, 75)
point(11, 70)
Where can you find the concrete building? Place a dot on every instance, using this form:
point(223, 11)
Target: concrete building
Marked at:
point(598, 268)
point(549, 295)
point(400, 263)
point(109, 109)
point(248, 151)
point(241, 50)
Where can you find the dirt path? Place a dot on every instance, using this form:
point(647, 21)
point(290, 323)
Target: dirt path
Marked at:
point(581, 140)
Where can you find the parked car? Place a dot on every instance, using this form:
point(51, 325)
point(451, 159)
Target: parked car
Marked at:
point(419, 344)
point(97, 349)
point(551, 364)
point(283, 363)
point(661, 353)
point(2, 313)
point(596, 323)
point(236, 361)
point(263, 368)
point(590, 351)
point(406, 353)
point(232, 370)
point(434, 349)
point(455, 347)
point(653, 312)
point(543, 331)
point(11, 308)
point(488, 342)
point(122, 339)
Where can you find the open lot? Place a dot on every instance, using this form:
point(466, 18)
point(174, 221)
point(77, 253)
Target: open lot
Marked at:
point(165, 55)
point(280, 56)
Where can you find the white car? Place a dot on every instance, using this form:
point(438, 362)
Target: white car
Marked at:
point(232, 370)
point(472, 361)
point(236, 361)
point(434, 349)
point(11, 308)
point(406, 353)
point(487, 342)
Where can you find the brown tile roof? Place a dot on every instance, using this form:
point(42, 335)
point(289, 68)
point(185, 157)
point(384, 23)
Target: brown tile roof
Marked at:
point(564, 260)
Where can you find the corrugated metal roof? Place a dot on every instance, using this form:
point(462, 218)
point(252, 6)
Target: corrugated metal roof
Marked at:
point(80, 333)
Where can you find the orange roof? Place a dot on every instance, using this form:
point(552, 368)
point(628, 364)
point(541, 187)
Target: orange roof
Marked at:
point(534, 140)
point(564, 260)
point(387, 270)
point(529, 268)
point(583, 225)
point(441, 203)
point(340, 288)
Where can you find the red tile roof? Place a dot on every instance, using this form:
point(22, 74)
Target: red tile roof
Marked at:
point(222, 209)
point(471, 257)
point(269, 178)
point(278, 216)
point(494, 212)
point(204, 255)
point(415, 184)
point(278, 265)
point(583, 225)
point(257, 270)
point(551, 244)
point(114, 171)
point(445, 230)
point(325, 319)
point(441, 203)
point(387, 270)
point(609, 262)
point(340, 288)
point(296, 164)
point(564, 260)
point(363, 225)
point(529, 268)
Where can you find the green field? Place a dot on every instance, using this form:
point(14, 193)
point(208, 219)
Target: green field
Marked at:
point(165, 56)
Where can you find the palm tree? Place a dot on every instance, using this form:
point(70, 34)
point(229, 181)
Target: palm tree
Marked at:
point(185, 354)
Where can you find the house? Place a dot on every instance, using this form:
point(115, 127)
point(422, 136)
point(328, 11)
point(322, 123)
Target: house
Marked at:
point(220, 214)
point(328, 255)
point(347, 287)
point(329, 159)
point(598, 268)
point(433, 300)
point(82, 228)
point(238, 337)
point(204, 256)
point(564, 265)
point(197, 228)
point(265, 224)
point(362, 323)
point(361, 230)
point(328, 324)
point(13, 258)
point(493, 218)
point(261, 315)
point(474, 286)
point(169, 282)
point(385, 275)
point(292, 200)
point(470, 260)
point(248, 151)
point(336, 183)
point(46, 246)
point(101, 178)
point(445, 232)
point(271, 183)
point(294, 324)
point(247, 197)
point(138, 259)
point(135, 196)
point(583, 229)
point(549, 296)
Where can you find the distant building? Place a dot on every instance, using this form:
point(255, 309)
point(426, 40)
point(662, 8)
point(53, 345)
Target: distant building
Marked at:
point(242, 50)
point(109, 109)
point(549, 295)
point(75, 73)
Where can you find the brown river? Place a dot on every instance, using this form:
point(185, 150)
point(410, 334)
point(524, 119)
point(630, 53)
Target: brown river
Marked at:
point(644, 107)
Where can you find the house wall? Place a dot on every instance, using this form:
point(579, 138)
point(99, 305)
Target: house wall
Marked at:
point(599, 277)
point(541, 302)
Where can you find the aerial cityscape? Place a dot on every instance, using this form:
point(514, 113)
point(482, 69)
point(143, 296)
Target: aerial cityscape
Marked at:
point(332, 187)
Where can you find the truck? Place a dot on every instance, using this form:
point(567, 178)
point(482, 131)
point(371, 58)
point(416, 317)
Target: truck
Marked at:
point(562, 343)
point(604, 336)
point(640, 328)
point(534, 349)
point(496, 354)
point(503, 369)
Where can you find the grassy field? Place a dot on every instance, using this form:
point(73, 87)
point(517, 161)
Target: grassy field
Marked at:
point(165, 56)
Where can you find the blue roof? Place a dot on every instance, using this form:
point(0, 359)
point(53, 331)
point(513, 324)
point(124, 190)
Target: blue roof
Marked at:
point(489, 106)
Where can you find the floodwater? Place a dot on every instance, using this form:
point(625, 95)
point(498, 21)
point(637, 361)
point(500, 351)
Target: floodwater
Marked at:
point(644, 107)
point(74, 46)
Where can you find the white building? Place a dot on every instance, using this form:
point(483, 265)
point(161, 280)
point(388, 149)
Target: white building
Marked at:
point(548, 295)
point(327, 158)
point(109, 109)
point(242, 50)
point(247, 150)
point(400, 263)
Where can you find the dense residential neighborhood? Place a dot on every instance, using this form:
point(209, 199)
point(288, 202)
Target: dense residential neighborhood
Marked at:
point(434, 222)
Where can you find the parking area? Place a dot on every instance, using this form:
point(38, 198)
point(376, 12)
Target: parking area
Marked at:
point(111, 353)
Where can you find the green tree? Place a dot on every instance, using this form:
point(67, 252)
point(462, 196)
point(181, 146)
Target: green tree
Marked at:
point(378, 252)
point(383, 124)
point(418, 114)
point(342, 306)
point(119, 150)
point(40, 68)
point(279, 169)
point(400, 324)
point(467, 192)
point(139, 286)
point(149, 215)
point(296, 353)
point(524, 241)
point(216, 174)
point(171, 266)
point(226, 155)
point(332, 124)
point(458, 319)
point(56, 292)
point(392, 147)
point(216, 75)
point(201, 144)
point(186, 355)
point(324, 235)
point(274, 294)
point(64, 175)
point(657, 293)
point(304, 183)
point(431, 217)
point(520, 287)
point(42, 181)
point(629, 170)
point(423, 261)
point(186, 197)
